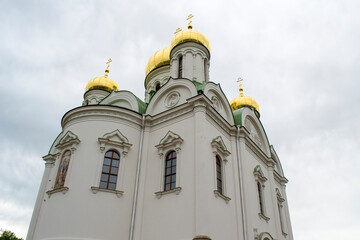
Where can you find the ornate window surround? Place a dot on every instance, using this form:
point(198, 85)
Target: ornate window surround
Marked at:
point(280, 201)
point(171, 142)
point(115, 141)
point(68, 142)
point(219, 149)
point(261, 179)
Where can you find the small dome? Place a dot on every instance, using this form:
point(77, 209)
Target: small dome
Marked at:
point(160, 58)
point(190, 35)
point(102, 83)
point(243, 101)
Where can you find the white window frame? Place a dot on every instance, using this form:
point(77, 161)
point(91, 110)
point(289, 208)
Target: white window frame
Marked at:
point(170, 142)
point(219, 149)
point(261, 179)
point(68, 142)
point(112, 141)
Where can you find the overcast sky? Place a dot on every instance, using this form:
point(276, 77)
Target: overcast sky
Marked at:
point(299, 59)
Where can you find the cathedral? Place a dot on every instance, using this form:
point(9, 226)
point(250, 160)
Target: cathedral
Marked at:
point(182, 164)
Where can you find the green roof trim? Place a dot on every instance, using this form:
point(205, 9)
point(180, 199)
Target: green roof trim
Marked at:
point(142, 105)
point(238, 116)
point(199, 86)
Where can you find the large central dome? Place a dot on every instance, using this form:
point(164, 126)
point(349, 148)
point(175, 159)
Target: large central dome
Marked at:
point(190, 36)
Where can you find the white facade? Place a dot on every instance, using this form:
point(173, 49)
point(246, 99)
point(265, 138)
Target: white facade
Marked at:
point(188, 115)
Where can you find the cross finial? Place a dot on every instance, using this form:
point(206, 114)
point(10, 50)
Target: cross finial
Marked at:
point(107, 68)
point(240, 86)
point(189, 19)
point(177, 30)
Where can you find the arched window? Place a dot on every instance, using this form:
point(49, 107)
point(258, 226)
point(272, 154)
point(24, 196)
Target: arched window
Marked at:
point(260, 198)
point(63, 167)
point(170, 171)
point(157, 87)
point(219, 181)
point(110, 170)
point(180, 67)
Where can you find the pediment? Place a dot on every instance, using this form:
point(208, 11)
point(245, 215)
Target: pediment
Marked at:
point(219, 146)
point(68, 139)
point(116, 136)
point(259, 173)
point(115, 139)
point(169, 138)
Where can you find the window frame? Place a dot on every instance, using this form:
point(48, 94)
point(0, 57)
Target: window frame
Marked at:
point(170, 142)
point(260, 180)
point(111, 166)
point(112, 141)
point(220, 151)
point(180, 66)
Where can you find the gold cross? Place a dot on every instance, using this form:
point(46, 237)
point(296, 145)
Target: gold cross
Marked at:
point(177, 30)
point(189, 19)
point(239, 81)
point(108, 62)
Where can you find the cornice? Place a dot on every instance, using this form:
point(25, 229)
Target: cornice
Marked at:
point(100, 112)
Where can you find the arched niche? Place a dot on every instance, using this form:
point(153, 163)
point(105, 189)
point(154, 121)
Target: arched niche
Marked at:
point(174, 93)
point(219, 101)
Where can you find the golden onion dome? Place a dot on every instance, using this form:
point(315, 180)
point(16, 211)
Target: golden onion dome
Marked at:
point(189, 35)
point(160, 58)
point(243, 101)
point(102, 83)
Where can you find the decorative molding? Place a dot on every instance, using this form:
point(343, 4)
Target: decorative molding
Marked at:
point(69, 140)
point(172, 99)
point(97, 189)
point(115, 139)
point(264, 217)
point(278, 195)
point(56, 190)
point(216, 103)
point(259, 175)
point(176, 190)
point(219, 147)
point(50, 160)
point(218, 194)
point(170, 140)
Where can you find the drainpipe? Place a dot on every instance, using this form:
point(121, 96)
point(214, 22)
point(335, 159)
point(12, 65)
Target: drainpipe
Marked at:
point(241, 183)
point(131, 235)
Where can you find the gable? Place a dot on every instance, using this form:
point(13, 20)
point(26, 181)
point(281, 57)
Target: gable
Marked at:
point(124, 99)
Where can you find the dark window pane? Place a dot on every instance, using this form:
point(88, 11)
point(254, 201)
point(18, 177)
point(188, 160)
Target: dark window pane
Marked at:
point(168, 163)
point(106, 169)
point(167, 172)
point(103, 184)
point(114, 170)
point(174, 161)
point(173, 169)
point(104, 177)
point(107, 161)
point(172, 185)
point(112, 179)
point(167, 187)
point(116, 155)
point(115, 163)
point(108, 154)
point(112, 186)
point(167, 179)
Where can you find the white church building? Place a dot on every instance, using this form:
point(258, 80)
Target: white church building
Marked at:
point(182, 164)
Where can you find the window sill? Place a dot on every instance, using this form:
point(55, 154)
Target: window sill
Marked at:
point(97, 189)
point(283, 233)
point(264, 217)
point(218, 194)
point(56, 190)
point(175, 190)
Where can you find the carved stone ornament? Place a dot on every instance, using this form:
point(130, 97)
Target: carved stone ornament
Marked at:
point(278, 195)
point(218, 147)
point(172, 99)
point(115, 139)
point(69, 140)
point(253, 132)
point(258, 173)
point(171, 140)
point(97, 189)
point(216, 103)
